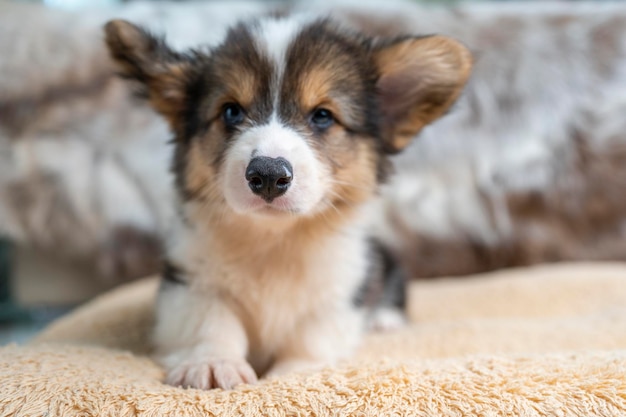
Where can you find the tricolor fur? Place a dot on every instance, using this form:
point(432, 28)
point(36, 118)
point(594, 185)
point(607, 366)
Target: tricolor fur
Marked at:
point(282, 134)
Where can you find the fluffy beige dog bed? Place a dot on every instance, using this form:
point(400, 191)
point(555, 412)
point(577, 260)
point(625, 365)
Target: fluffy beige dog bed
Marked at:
point(541, 341)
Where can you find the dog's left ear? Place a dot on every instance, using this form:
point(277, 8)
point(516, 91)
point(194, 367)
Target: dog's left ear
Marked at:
point(419, 79)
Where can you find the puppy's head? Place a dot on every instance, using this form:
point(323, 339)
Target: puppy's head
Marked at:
point(289, 115)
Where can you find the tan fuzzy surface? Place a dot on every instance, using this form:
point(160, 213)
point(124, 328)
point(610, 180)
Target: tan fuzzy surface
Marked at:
point(536, 341)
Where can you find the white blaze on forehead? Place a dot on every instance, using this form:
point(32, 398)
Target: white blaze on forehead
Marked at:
point(275, 35)
point(276, 140)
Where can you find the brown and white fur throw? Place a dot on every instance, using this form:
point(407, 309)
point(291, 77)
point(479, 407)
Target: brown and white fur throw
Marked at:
point(528, 167)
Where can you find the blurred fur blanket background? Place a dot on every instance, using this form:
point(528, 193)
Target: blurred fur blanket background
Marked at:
point(529, 167)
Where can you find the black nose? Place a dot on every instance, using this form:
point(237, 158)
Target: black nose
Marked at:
point(269, 177)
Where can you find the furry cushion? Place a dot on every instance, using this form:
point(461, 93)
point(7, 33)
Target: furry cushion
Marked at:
point(540, 341)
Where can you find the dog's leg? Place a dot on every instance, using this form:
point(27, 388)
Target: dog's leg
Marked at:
point(202, 342)
point(383, 292)
point(319, 341)
point(389, 313)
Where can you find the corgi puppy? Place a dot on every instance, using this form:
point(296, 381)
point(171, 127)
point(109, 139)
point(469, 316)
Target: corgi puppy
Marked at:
point(281, 138)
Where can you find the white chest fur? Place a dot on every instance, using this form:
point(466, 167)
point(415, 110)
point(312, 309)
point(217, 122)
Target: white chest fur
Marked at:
point(274, 279)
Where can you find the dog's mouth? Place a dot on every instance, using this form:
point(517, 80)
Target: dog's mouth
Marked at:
point(279, 206)
point(274, 210)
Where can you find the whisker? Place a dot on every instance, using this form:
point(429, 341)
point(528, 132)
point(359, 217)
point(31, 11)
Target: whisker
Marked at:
point(349, 184)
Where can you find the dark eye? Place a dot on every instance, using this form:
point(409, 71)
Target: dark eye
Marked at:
point(322, 118)
point(232, 114)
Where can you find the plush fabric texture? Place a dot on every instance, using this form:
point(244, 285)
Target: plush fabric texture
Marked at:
point(543, 341)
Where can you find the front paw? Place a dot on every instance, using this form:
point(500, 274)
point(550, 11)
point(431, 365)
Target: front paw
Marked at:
point(212, 373)
point(386, 319)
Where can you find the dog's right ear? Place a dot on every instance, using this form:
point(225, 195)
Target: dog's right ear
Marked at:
point(162, 73)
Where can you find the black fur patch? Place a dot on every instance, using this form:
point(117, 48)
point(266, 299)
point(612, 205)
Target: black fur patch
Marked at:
point(385, 284)
point(172, 274)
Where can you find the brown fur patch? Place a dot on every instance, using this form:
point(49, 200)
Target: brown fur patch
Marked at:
point(315, 89)
point(200, 177)
point(241, 88)
point(420, 79)
point(355, 179)
point(167, 93)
